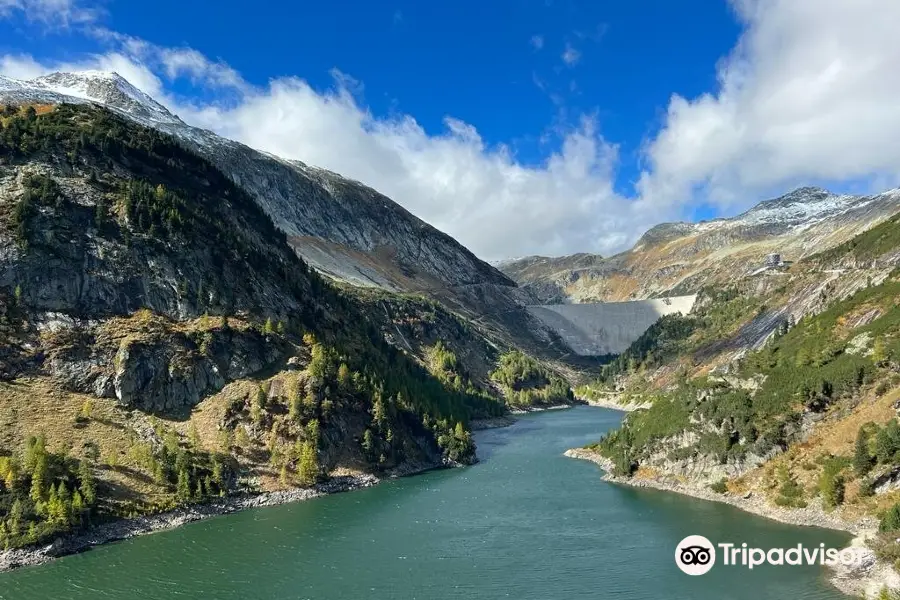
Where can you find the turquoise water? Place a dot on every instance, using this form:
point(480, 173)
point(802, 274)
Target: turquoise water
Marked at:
point(525, 523)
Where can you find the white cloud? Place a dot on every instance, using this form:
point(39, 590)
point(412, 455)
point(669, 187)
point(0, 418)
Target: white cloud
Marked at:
point(21, 66)
point(571, 55)
point(51, 13)
point(809, 94)
point(537, 42)
point(481, 195)
point(173, 62)
point(26, 67)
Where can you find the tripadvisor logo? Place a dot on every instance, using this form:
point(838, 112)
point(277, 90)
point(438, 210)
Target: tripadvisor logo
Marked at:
point(696, 555)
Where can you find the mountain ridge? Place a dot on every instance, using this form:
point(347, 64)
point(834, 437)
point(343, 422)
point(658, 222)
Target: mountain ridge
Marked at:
point(681, 257)
point(345, 230)
point(115, 92)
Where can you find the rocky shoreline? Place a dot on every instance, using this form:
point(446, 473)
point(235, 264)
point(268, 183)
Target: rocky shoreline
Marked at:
point(510, 418)
point(534, 409)
point(613, 404)
point(492, 423)
point(127, 528)
point(123, 529)
point(865, 580)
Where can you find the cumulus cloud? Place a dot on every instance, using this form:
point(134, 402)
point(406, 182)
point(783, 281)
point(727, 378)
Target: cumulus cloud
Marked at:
point(537, 42)
point(809, 94)
point(478, 193)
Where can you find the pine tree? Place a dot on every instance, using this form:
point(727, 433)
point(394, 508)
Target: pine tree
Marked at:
point(9, 472)
point(170, 442)
point(295, 408)
point(39, 479)
point(218, 476)
point(35, 447)
point(862, 461)
point(256, 413)
point(65, 504)
point(14, 520)
point(261, 397)
point(53, 507)
point(378, 414)
point(312, 432)
point(183, 489)
point(832, 488)
point(308, 468)
point(343, 378)
point(887, 442)
point(77, 507)
point(368, 442)
point(241, 438)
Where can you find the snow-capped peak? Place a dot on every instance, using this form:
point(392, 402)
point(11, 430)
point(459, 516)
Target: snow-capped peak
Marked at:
point(110, 89)
point(801, 208)
point(107, 88)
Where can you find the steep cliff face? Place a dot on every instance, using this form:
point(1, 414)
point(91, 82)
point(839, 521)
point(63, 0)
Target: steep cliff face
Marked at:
point(141, 284)
point(681, 258)
point(337, 225)
point(547, 277)
point(340, 227)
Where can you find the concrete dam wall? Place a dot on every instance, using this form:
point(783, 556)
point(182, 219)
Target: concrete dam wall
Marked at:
point(607, 327)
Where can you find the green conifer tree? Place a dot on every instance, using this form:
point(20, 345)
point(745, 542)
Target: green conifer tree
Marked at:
point(183, 488)
point(862, 461)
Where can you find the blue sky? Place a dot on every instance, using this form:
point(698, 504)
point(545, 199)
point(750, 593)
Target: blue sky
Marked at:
point(482, 62)
point(593, 120)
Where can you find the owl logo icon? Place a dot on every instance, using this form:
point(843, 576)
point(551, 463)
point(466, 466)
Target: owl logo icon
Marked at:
point(695, 555)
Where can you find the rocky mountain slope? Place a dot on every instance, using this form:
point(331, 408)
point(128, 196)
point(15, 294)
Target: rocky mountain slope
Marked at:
point(681, 258)
point(546, 276)
point(340, 227)
point(778, 394)
point(161, 344)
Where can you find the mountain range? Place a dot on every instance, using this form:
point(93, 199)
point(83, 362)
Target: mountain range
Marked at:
point(183, 317)
point(681, 258)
